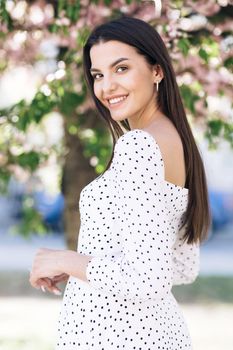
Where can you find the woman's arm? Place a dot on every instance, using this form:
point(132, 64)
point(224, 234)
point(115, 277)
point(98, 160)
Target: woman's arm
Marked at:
point(186, 261)
point(49, 263)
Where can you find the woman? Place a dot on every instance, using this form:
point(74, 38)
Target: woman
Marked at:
point(143, 219)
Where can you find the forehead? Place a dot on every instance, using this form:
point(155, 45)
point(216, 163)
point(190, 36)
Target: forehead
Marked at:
point(111, 50)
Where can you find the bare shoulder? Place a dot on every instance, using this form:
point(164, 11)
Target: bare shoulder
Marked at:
point(171, 147)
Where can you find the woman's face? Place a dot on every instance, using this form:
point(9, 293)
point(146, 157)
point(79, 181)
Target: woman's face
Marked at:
point(123, 80)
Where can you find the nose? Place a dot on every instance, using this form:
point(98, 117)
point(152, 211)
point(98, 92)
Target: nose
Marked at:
point(108, 84)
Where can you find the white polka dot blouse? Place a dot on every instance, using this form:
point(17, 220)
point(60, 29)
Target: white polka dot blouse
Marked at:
point(130, 223)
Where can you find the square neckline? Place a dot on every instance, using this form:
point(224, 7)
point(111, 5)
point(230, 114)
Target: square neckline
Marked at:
point(184, 189)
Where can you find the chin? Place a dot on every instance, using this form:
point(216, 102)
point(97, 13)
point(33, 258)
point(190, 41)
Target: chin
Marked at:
point(118, 118)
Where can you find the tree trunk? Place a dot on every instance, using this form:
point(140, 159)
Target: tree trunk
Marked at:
point(77, 173)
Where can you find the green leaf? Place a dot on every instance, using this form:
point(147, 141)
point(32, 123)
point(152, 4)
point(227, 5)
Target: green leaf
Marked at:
point(218, 129)
point(32, 221)
point(70, 101)
point(4, 179)
point(83, 36)
point(5, 15)
point(74, 11)
point(203, 54)
point(34, 112)
point(184, 45)
point(107, 2)
point(61, 6)
point(53, 28)
point(189, 97)
point(215, 126)
point(29, 160)
point(228, 63)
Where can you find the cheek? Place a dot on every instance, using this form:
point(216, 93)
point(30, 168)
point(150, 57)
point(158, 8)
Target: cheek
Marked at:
point(145, 85)
point(95, 89)
point(138, 82)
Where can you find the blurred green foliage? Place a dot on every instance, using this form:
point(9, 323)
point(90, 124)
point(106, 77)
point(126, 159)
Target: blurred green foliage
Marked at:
point(218, 129)
point(32, 220)
point(68, 94)
point(206, 289)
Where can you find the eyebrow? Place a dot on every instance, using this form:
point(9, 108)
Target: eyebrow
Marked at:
point(111, 65)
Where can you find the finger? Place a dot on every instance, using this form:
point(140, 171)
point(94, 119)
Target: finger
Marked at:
point(43, 283)
point(47, 281)
point(60, 278)
point(47, 284)
point(34, 283)
point(54, 289)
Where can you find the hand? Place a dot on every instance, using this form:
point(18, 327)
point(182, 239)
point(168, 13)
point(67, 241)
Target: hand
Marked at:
point(46, 267)
point(50, 284)
point(63, 277)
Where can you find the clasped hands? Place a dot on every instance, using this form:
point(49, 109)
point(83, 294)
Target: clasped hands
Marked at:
point(46, 271)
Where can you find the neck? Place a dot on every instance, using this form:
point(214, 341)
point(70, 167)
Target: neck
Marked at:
point(143, 123)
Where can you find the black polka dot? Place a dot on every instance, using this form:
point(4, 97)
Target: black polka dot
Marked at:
point(130, 223)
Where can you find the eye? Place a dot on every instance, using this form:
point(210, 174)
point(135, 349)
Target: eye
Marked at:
point(95, 76)
point(122, 67)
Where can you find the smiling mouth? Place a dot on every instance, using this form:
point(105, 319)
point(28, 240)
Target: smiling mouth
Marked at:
point(116, 101)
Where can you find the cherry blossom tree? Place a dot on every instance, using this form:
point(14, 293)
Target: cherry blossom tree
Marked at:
point(198, 35)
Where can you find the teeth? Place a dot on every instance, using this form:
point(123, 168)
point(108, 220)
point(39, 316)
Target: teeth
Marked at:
point(117, 99)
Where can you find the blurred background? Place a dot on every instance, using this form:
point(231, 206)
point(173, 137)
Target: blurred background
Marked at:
point(52, 143)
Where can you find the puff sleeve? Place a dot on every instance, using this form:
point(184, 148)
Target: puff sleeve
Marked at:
point(186, 260)
point(143, 268)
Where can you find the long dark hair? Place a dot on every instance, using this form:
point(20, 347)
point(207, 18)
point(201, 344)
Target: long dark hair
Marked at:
point(147, 42)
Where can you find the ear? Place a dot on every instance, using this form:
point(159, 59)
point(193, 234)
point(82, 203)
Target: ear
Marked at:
point(157, 73)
